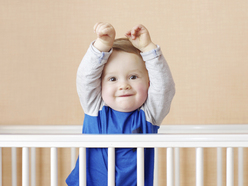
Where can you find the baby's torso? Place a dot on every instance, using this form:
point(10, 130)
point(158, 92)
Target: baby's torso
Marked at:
point(110, 121)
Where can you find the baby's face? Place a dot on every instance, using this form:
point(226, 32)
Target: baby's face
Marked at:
point(125, 82)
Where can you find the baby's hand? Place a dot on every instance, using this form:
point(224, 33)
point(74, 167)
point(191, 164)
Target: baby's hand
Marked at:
point(105, 36)
point(140, 38)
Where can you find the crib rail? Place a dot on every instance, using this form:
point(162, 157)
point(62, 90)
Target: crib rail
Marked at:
point(124, 141)
point(165, 129)
point(173, 139)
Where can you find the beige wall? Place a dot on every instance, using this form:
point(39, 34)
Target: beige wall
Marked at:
point(204, 42)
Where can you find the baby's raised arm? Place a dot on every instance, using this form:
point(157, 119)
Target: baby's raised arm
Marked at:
point(105, 36)
point(162, 88)
point(91, 66)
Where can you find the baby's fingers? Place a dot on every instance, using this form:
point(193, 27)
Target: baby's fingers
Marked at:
point(135, 31)
point(96, 26)
point(99, 27)
point(128, 34)
point(103, 29)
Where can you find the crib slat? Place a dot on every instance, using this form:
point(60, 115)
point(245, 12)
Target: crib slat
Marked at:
point(240, 167)
point(111, 166)
point(155, 179)
point(54, 166)
point(219, 166)
point(199, 167)
point(73, 157)
point(25, 166)
point(33, 166)
point(13, 166)
point(140, 166)
point(177, 166)
point(170, 165)
point(229, 167)
point(82, 166)
point(1, 180)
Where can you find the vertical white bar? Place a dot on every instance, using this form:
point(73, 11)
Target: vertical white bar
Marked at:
point(54, 166)
point(111, 166)
point(140, 166)
point(13, 166)
point(240, 167)
point(82, 166)
point(1, 177)
point(219, 166)
point(170, 175)
point(199, 166)
point(229, 167)
point(33, 166)
point(177, 166)
point(25, 166)
point(155, 179)
point(73, 157)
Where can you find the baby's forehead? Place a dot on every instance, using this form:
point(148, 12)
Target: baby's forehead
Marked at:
point(124, 57)
point(120, 61)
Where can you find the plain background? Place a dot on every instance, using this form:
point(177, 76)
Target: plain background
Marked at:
point(42, 43)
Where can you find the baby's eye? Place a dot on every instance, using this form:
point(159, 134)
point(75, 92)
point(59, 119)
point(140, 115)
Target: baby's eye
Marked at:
point(133, 77)
point(112, 79)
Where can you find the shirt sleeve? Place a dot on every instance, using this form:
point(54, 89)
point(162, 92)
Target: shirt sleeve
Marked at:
point(89, 80)
point(162, 87)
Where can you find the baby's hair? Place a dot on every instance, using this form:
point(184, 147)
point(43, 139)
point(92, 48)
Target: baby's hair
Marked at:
point(123, 44)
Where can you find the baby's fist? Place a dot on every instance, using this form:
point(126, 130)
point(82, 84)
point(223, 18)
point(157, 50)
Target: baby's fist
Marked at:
point(140, 38)
point(105, 36)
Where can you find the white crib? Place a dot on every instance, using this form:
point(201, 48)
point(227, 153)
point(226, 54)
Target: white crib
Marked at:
point(171, 137)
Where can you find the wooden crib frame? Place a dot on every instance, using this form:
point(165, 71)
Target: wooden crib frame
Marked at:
point(171, 137)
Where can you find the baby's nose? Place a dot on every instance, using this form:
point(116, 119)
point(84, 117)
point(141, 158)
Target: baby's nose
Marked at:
point(124, 86)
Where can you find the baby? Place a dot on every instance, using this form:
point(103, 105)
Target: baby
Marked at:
point(125, 87)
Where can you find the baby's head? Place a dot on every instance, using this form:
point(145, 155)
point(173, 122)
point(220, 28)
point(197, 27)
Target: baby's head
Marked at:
point(125, 80)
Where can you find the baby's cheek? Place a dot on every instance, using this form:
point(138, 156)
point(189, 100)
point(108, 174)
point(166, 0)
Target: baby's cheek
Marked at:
point(106, 94)
point(143, 90)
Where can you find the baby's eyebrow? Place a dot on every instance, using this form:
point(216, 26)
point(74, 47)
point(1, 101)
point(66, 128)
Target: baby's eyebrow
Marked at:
point(108, 75)
point(136, 70)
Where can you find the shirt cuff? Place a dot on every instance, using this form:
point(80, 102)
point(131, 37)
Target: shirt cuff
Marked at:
point(103, 56)
point(151, 54)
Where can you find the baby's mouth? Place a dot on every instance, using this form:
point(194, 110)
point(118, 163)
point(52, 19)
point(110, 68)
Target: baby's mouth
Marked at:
point(126, 95)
